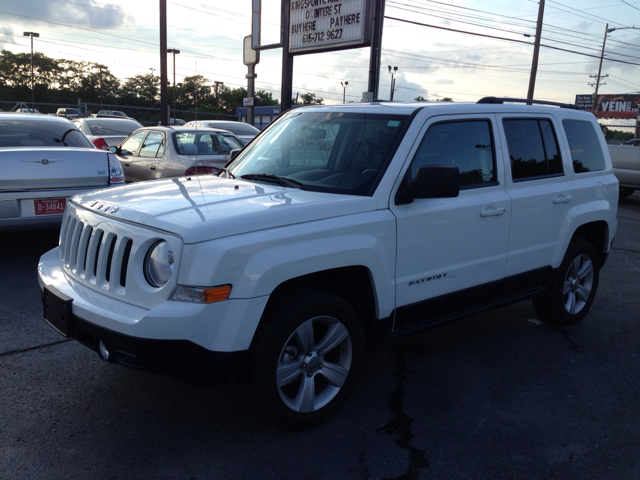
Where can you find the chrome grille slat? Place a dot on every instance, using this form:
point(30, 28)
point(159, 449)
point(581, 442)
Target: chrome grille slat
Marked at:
point(83, 245)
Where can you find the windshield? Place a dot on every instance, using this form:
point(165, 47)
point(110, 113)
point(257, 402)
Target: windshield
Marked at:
point(35, 132)
point(328, 152)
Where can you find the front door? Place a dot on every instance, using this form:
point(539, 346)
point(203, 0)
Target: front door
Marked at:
point(450, 245)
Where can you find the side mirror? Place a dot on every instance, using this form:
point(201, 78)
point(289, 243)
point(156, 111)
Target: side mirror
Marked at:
point(234, 153)
point(113, 149)
point(433, 181)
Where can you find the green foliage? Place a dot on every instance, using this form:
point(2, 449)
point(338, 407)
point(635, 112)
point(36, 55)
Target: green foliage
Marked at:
point(307, 99)
point(420, 99)
point(64, 81)
point(445, 99)
point(618, 134)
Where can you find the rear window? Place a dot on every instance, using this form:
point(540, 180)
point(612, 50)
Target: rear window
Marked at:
point(205, 143)
point(533, 148)
point(30, 132)
point(238, 128)
point(586, 152)
point(103, 127)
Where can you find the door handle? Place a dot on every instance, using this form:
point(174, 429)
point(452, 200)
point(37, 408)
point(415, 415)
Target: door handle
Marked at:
point(492, 212)
point(562, 199)
point(126, 164)
point(152, 168)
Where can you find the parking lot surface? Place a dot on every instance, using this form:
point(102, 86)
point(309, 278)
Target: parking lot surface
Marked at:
point(496, 396)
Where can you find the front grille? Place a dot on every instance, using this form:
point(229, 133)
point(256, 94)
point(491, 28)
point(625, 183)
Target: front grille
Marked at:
point(95, 256)
point(106, 255)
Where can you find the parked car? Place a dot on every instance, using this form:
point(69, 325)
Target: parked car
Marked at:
point(28, 110)
point(243, 131)
point(46, 160)
point(158, 152)
point(635, 142)
point(338, 228)
point(175, 121)
point(69, 113)
point(112, 113)
point(626, 167)
point(106, 132)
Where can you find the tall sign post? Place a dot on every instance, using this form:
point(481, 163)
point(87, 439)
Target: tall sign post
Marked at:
point(250, 58)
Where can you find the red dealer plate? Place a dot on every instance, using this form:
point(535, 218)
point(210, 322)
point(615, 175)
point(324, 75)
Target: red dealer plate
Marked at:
point(49, 206)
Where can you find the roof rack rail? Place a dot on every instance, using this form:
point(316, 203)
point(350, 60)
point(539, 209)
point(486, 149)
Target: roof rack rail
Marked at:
point(501, 100)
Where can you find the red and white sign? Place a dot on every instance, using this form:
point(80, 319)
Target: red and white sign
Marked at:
point(49, 206)
point(247, 102)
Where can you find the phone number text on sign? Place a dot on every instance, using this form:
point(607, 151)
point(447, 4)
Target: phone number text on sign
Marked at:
point(326, 24)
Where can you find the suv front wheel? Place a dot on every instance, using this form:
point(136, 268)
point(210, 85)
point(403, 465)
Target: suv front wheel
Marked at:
point(304, 356)
point(572, 288)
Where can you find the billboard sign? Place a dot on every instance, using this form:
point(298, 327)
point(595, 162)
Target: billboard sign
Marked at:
point(611, 105)
point(325, 25)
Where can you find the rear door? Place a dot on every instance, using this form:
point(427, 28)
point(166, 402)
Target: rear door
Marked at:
point(540, 191)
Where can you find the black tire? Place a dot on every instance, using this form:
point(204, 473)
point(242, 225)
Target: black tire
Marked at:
point(626, 192)
point(301, 388)
point(572, 287)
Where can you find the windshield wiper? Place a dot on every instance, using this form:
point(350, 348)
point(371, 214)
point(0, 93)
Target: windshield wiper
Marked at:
point(267, 177)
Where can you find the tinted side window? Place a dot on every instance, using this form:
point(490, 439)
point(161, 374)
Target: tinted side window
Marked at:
point(467, 145)
point(533, 148)
point(586, 151)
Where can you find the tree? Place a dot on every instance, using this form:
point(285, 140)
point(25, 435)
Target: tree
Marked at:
point(195, 92)
point(420, 99)
point(307, 99)
point(266, 99)
point(145, 88)
point(445, 99)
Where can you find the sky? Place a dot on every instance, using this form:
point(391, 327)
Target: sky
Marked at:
point(440, 58)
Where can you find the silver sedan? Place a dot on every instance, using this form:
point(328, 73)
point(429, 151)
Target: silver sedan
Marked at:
point(106, 132)
point(46, 160)
point(160, 152)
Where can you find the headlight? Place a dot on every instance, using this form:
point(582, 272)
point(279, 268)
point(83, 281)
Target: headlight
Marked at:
point(158, 266)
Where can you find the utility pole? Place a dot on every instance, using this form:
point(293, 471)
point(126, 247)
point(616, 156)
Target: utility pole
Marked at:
point(594, 108)
point(100, 68)
point(536, 51)
point(599, 76)
point(32, 34)
point(175, 52)
point(164, 114)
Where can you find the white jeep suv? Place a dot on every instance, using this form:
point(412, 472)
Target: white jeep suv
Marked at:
point(337, 228)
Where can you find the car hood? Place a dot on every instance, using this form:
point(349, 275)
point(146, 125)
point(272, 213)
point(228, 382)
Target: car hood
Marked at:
point(207, 207)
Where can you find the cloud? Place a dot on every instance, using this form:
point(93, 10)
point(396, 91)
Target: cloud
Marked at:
point(93, 15)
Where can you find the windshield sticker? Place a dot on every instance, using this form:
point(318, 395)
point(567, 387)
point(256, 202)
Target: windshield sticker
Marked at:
point(393, 123)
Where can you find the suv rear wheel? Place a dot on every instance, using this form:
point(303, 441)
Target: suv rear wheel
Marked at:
point(303, 360)
point(573, 286)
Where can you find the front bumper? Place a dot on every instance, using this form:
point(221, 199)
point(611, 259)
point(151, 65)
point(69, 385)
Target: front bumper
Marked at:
point(176, 338)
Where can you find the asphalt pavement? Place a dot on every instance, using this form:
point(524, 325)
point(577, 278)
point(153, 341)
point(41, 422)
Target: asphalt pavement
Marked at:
point(496, 396)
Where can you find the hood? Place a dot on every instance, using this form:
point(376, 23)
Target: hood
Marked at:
point(207, 207)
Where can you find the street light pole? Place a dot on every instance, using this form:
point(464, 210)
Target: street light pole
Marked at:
point(32, 34)
point(393, 81)
point(344, 91)
point(174, 51)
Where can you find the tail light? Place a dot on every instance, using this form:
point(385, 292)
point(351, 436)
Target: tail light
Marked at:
point(100, 143)
point(201, 170)
point(116, 174)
